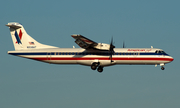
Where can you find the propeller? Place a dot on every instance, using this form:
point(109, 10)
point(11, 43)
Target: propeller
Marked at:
point(111, 49)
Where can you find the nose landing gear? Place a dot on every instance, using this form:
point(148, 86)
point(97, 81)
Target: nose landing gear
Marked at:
point(162, 68)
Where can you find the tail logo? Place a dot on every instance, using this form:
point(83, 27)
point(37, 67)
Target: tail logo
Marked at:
point(18, 37)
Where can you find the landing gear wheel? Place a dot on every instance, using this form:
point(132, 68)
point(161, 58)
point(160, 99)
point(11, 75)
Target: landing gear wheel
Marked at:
point(100, 69)
point(162, 68)
point(94, 66)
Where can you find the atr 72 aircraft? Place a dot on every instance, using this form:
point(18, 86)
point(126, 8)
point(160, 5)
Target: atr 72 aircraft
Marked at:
point(95, 55)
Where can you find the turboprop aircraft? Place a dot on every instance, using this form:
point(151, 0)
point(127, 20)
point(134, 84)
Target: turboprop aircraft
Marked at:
point(95, 55)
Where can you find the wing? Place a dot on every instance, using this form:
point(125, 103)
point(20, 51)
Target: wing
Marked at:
point(84, 42)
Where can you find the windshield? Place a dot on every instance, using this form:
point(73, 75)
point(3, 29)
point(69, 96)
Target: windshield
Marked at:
point(160, 52)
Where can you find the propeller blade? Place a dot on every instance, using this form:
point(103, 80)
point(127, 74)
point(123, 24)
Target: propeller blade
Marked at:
point(111, 49)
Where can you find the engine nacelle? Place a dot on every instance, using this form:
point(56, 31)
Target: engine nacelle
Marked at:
point(102, 46)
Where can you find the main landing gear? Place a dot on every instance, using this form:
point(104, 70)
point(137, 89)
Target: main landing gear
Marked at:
point(95, 65)
point(100, 69)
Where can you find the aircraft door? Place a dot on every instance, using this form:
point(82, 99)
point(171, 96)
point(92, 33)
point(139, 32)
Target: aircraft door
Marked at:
point(48, 55)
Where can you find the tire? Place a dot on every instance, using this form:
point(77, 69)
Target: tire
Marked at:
point(100, 69)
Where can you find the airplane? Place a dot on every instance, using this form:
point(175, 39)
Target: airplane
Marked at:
point(93, 54)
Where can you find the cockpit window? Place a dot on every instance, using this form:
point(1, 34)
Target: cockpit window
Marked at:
point(160, 52)
point(157, 52)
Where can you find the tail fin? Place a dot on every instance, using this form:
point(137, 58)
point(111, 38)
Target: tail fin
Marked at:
point(21, 40)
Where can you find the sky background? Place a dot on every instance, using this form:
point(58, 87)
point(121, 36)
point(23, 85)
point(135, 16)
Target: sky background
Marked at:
point(140, 23)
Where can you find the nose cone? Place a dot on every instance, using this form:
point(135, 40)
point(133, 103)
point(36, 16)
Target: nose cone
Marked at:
point(171, 59)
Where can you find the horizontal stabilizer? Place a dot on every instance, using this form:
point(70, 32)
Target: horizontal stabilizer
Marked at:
point(14, 25)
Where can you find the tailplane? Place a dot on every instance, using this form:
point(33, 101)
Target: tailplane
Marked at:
point(21, 40)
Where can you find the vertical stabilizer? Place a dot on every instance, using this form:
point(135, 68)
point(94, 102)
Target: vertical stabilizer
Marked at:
point(21, 40)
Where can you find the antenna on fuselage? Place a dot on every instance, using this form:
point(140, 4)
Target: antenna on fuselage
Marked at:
point(124, 45)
